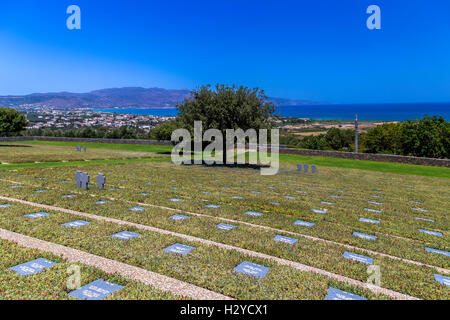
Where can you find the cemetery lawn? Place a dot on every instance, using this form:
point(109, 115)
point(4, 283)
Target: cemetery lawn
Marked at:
point(345, 193)
point(51, 284)
point(164, 151)
point(25, 152)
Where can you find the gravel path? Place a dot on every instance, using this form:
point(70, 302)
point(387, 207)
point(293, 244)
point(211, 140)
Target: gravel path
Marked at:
point(149, 278)
point(295, 265)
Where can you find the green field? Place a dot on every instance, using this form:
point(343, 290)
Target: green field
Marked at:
point(334, 201)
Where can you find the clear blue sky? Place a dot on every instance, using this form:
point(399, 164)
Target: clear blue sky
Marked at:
point(302, 49)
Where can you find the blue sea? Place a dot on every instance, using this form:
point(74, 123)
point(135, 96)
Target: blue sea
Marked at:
point(374, 112)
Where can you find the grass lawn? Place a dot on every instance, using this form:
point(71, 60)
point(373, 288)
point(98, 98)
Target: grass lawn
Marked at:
point(388, 167)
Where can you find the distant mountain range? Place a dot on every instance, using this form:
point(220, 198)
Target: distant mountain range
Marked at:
point(130, 97)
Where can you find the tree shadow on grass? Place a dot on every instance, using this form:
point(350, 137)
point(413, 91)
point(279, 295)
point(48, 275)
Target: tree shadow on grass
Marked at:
point(13, 146)
point(232, 166)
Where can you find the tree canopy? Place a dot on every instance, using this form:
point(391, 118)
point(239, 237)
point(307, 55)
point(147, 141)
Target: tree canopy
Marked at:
point(12, 122)
point(226, 107)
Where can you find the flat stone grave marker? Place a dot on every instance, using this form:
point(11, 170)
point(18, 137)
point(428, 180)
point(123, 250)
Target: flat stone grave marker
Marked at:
point(285, 239)
point(125, 235)
point(226, 227)
point(97, 290)
point(272, 188)
point(419, 209)
point(255, 192)
point(41, 191)
point(37, 215)
point(113, 189)
point(357, 257)
point(377, 196)
point(212, 206)
point(33, 267)
point(326, 202)
point(364, 236)
point(5, 205)
point(75, 224)
point(252, 269)
point(179, 217)
point(423, 219)
point(205, 192)
point(275, 203)
point(137, 209)
point(368, 220)
point(179, 249)
point(174, 188)
point(432, 250)
point(376, 203)
point(253, 213)
point(68, 196)
point(299, 167)
point(148, 184)
point(415, 202)
point(319, 211)
point(302, 192)
point(226, 188)
point(290, 197)
point(102, 202)
point(123, 180)
point(373, 210)
point(15, 187)
point(304, 223)
point(336, 294)
point(442, 279)
point(144, 194)
point(335, 197)
point(237, 197)
point(175, 200)
point(433, 233)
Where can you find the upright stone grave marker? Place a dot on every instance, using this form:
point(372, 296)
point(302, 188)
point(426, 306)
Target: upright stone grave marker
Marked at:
point(299, 167)
point(101, 180)
point(305, 168)
point(78, 148)
point(313, 168)
point(85, 181)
